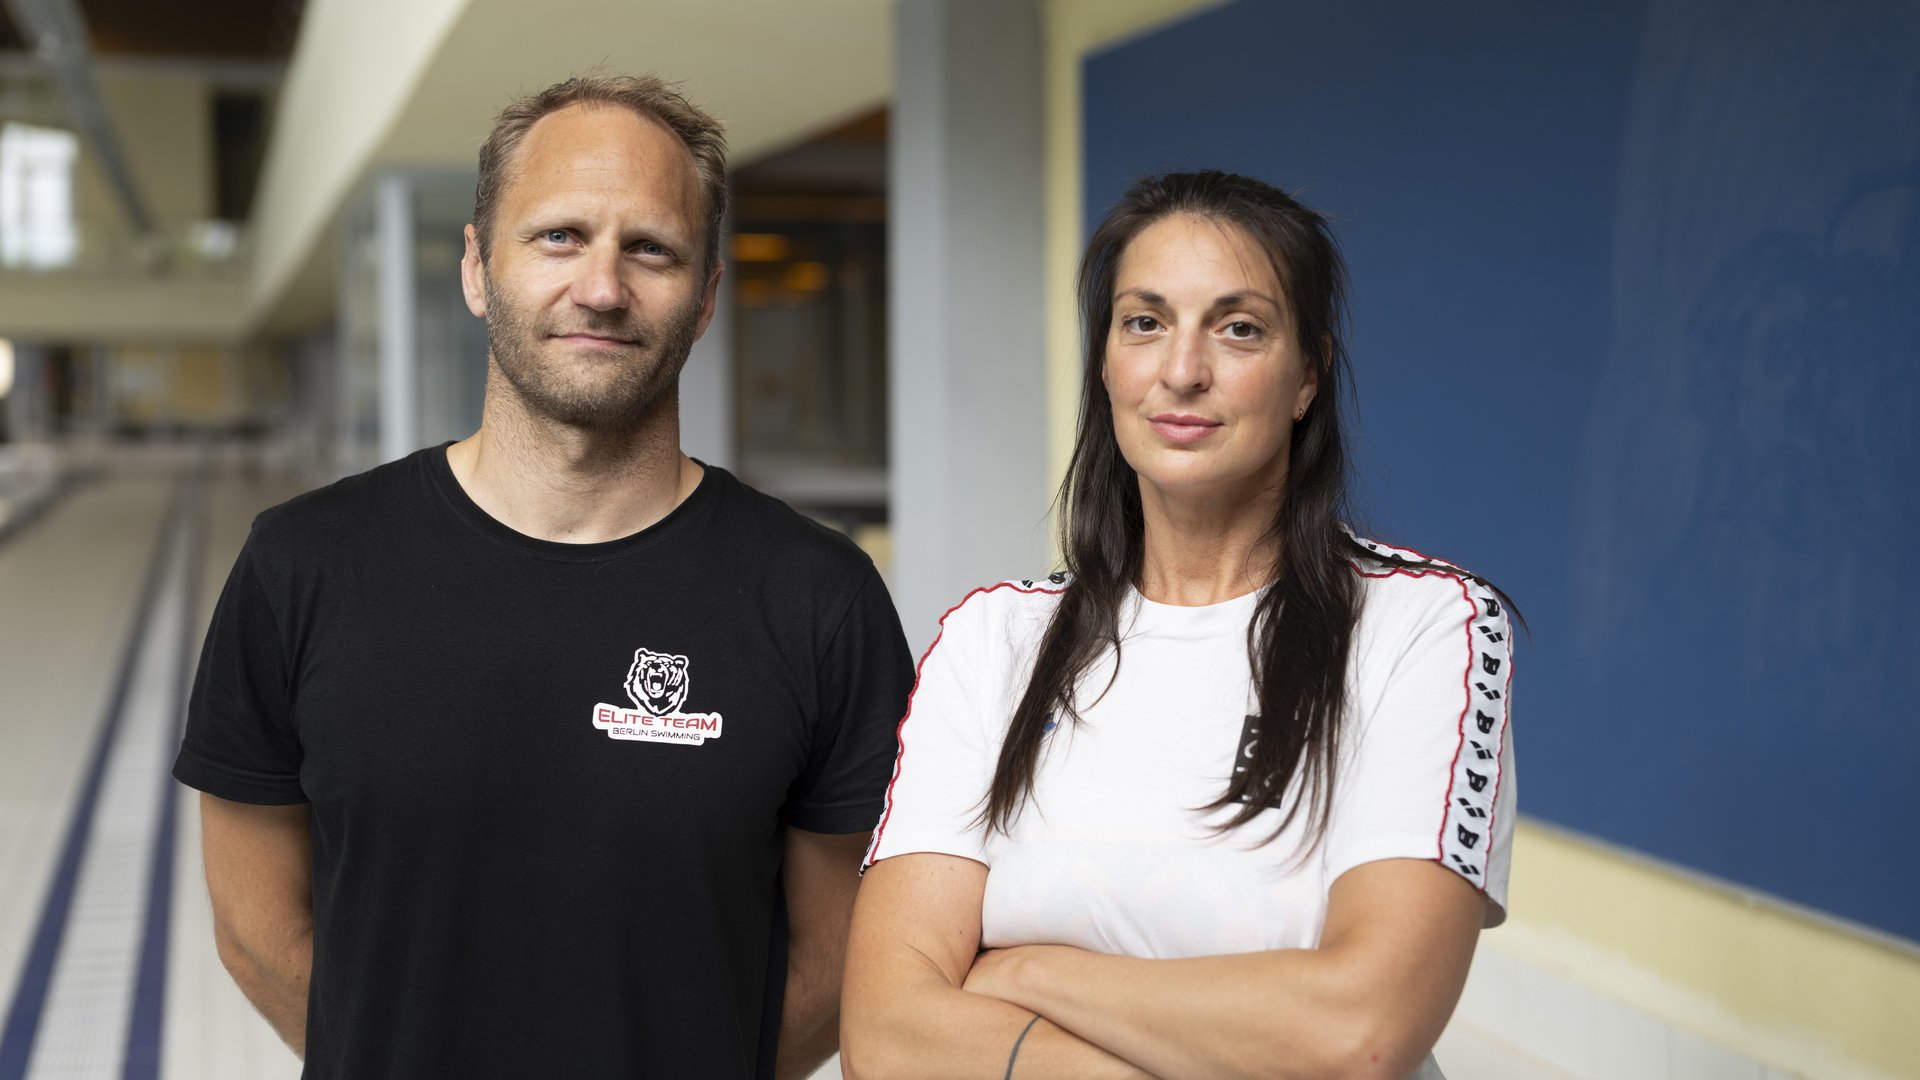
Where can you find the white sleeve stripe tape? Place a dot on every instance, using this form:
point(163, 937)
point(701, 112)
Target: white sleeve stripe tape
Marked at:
point(1466, 828)
point(1466, 821)
point(900, 731)
point(1379, 548)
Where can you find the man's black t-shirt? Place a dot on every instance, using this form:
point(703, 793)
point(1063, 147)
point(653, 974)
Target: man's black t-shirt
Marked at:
point(548, 781)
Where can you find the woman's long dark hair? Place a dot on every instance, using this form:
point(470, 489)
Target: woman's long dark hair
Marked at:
point(1302, 629)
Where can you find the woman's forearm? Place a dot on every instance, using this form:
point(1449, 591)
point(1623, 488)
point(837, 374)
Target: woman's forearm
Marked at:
point(932, 1031)
point(904, 1013)
point(1267, 1015)
point(1370, 1001)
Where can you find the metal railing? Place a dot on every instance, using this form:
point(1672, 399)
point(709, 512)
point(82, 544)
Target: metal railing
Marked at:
point(201, 250)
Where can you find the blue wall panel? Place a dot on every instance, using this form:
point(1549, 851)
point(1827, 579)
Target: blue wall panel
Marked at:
point(1638, 336)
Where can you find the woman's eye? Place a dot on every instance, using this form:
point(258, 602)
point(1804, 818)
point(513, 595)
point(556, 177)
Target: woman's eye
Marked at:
point(1242, 331)
point(1141, 324)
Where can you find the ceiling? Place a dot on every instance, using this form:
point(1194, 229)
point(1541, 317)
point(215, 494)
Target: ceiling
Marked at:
point(202, 29)
point(213, 29)
point(774, 70)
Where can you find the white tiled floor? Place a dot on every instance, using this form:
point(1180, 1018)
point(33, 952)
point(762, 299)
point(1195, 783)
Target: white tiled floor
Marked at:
point(1625, 1044)
point(68, 587)
point(95, 968)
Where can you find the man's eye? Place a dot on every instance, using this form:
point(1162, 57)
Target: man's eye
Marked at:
point(556, 236)
point(650, 248)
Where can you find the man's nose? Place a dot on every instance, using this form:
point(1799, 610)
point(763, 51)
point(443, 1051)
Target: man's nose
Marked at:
point(598, 285)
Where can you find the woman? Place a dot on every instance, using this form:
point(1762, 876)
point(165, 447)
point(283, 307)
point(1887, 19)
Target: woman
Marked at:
point(1165, 881)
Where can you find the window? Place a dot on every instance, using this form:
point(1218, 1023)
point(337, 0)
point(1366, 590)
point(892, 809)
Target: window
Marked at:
point(36, 197)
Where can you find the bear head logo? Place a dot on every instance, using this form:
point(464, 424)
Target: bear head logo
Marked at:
point(657, 682)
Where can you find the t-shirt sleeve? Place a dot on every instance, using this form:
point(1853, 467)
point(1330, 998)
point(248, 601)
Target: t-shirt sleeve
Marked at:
point(863, 683)
point(1430, 775)
point(241, 742)
point(942, 767)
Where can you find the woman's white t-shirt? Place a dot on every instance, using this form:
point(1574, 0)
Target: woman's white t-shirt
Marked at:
point(1114, 853)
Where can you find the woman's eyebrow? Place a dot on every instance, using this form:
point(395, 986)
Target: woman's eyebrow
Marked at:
point(1238, 298)
point(1233, 299)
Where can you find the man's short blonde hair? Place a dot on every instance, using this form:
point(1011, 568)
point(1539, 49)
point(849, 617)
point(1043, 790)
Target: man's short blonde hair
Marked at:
point(645, 95)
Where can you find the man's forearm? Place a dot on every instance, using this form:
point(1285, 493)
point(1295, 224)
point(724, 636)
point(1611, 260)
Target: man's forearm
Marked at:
point(275, 981)
point(820, 877)
point(260, 881)
point(809, 1019)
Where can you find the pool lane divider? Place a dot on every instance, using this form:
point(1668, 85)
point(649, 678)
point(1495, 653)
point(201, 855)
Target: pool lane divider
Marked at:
point(147, 1022)
point(36, 975)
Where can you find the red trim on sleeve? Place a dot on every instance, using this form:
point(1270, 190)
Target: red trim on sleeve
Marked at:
point(900, 731)
point(1466, 706)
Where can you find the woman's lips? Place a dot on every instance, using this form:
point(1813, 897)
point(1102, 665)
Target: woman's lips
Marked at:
point(1183, 429)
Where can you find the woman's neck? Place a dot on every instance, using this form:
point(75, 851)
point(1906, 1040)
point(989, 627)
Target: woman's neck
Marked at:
point(1196, 553)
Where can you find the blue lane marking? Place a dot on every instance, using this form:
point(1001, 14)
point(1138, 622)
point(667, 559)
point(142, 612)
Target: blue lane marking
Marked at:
point(23, 1019)
point(144, 1030)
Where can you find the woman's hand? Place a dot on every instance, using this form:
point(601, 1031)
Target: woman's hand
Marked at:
point(994, 972)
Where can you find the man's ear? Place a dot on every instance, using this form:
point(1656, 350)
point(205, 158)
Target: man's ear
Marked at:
point(708, 303)
point(473, 275)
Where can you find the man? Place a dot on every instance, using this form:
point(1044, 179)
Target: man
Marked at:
point(552, 752)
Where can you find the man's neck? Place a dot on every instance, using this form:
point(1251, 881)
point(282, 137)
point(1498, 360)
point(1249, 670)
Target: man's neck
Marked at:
point(570, 485)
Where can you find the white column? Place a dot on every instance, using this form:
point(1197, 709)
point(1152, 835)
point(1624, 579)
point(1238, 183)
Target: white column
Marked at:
point(968, 484)
point(399, 364)
point(340, 444)
point(706, 387)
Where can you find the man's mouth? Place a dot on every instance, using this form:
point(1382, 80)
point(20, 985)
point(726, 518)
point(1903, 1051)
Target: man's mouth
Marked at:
point(596, 341)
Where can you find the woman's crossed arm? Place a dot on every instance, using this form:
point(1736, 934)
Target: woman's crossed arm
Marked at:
point(904, 1014)
point(1368, 1003)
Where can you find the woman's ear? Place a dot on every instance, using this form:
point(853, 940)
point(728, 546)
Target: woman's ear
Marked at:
point(1310, 377)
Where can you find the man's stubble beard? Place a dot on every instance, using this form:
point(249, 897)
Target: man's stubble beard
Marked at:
point(616, 401)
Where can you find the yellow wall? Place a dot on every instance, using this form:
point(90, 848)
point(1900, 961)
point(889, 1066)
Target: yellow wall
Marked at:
point(194, 385)
point(200, 390)
point(1790, 988)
